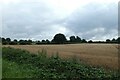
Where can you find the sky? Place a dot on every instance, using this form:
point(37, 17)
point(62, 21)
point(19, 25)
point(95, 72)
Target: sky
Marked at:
point(42, 19)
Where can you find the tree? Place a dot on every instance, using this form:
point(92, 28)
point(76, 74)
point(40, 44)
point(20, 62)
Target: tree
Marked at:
point(4, 41)
point(14, 42)
point(78, 39)
point(59, 38)
point(113, 40)
point(118, 39)
point(22, 42)
point(84, 41)
point(90, 41)
point(38, 42)
point(72, 39)
point(47, 41)
point(8, 40)
point(43, 41)
point(108, 40)
point(29, 42)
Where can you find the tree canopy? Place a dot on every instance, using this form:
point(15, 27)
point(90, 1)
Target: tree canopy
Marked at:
point(59, 38)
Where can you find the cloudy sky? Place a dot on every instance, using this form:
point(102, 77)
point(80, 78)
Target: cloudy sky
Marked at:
point(42, 19)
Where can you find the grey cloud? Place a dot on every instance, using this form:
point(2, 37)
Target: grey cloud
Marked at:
point(38, 21)
point(27, 18)
point(91, 17)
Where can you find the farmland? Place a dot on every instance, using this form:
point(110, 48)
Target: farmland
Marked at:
point(19, 63)
point(100, 55)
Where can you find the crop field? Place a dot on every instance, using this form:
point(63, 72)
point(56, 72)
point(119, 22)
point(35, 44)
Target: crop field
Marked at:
point(103, 55)
point(17, 63)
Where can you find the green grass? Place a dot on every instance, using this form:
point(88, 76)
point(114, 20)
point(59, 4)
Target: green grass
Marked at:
point(12, 70)
point(21, 64)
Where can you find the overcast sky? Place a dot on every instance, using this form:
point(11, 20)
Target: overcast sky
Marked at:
point(42, 19)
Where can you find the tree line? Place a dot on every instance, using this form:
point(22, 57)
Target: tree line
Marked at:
point(57, 39)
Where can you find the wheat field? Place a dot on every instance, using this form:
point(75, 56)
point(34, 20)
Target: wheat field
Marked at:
point(104, 55)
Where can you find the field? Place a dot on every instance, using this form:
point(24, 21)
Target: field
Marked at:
point(103, 55)
point(17, 63)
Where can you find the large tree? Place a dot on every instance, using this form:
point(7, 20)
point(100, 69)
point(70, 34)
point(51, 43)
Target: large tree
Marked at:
point(8, 40)
point(72, 39)
point(4, 41)
point(118, 40)
point(108, 40)
point(59, 38)
point(78, 39)
point(84, 41)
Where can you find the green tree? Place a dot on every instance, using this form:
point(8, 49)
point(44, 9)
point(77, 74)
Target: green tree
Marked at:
point(47, 41)
point(14, 42)
point(118, 39)
point(78, 39)
point(4, 41)
point(108, 40)
point(43, 41)
point(84, 41)
point(59, 38)
point(113, 40)
point(22, 42)
point(90, 41)
point(72, 39)
point(8, 40)
point(29, 42)
point(38, 42)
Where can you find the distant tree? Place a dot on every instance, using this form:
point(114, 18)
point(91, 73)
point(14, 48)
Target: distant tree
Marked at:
point(22, 42)
point(38, 42)
point(107, 40)
point(113, 40)
point(84, 41)
point(29, 42)
point(78, 39)
point(14, 42)
point(43, 41)
point(4, 41)
point(90, 41)
point(47, 41)
point(118, 40)
point(8, 40)
point(59, 38)
point(72, 39)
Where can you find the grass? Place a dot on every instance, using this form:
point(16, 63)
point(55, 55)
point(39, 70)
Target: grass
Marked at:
point(12, 70)
point(19, 63)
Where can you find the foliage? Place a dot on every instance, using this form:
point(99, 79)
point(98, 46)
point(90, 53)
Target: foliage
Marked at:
point(74, 39)
point(21, 64)
point(59, 38)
